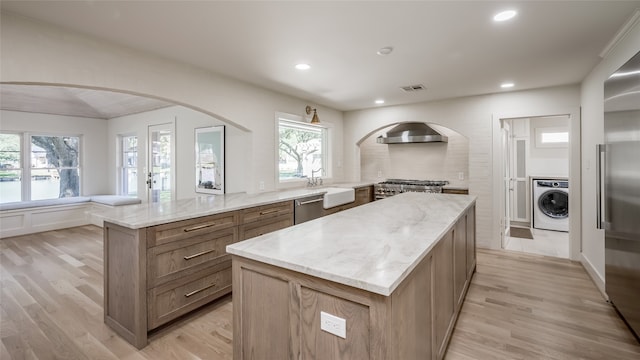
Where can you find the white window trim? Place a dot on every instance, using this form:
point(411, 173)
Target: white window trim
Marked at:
point(25, 159)
point(326, 150)
point(120, 162)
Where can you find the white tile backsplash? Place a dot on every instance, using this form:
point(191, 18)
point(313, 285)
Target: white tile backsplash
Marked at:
point(422, 161)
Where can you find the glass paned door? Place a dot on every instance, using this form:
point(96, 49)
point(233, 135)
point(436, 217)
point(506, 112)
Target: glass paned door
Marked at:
point(160, 176)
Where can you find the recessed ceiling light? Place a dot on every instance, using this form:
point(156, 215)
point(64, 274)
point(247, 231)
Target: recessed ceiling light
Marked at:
point(379, 101)
point(507, 85)
point(505, 15)
point(385, 51)
point(303, 66)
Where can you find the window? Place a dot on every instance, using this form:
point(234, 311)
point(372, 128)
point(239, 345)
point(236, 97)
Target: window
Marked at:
point(552, 137)
point(10, 168)
point(129, 169)
point(55, 170)
point(302, 148)
point(52, 163)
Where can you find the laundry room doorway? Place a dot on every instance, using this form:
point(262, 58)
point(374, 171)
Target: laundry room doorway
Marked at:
point(536, 186)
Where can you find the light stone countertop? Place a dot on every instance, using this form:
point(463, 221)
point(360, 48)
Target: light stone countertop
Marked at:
point(143, 215)
point(371, 247)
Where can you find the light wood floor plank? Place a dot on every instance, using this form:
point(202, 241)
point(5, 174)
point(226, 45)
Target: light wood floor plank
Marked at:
point(518, 307)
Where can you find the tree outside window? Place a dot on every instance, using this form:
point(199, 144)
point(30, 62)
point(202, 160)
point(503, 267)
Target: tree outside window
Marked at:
point(301, 149)
point(51, 164)
point(55, 159)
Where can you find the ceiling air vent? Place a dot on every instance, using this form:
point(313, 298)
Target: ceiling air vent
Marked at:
point(412, 88)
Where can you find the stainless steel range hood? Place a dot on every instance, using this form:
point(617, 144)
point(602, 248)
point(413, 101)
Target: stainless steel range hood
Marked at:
point(413, 132)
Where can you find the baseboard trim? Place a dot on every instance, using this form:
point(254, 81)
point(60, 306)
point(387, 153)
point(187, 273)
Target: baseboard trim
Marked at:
point(597, 279)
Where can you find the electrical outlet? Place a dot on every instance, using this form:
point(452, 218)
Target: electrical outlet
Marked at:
point(333, 324)
point(261, 185)
point(379, 174)
point(460, 176)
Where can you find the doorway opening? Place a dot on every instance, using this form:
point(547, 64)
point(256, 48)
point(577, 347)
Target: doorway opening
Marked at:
point(536, 190)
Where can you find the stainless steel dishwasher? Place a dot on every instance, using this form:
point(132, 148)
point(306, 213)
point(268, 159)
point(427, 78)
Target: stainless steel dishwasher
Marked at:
point(307, 208)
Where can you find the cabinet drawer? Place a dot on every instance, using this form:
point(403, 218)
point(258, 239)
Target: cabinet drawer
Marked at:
point(178, 258)
point(364, 195)
point(178, 230)
point(265, 226)
point(264, 212)
point(179, 297)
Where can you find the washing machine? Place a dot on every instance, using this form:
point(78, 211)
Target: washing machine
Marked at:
point(550, 204)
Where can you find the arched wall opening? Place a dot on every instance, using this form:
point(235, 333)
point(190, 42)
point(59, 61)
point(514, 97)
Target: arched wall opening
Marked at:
point(420, 161)
point(106, 131)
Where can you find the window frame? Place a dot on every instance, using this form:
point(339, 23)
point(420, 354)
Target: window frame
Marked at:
point(27, 166)
point(23, 168)
point(540, 131)
point(298, 121)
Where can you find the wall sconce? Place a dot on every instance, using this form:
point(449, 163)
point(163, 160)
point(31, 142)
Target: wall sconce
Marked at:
point(314, 119)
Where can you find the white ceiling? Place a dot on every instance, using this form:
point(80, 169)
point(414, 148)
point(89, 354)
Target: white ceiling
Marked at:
point(453, 48)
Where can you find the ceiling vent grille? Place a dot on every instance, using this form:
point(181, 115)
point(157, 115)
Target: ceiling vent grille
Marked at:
point(413, 88)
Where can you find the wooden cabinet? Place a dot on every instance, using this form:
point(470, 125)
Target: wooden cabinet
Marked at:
point(260, 220)
point(176, 298)
point(414, 322)
point(156, 274)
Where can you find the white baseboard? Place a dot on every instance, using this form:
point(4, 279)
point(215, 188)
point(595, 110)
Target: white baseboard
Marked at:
point(595, 276)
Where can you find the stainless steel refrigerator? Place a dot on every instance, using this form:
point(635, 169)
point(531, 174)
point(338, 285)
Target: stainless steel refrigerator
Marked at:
point(619, 195)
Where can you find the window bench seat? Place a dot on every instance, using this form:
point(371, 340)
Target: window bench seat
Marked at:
point(27, 217)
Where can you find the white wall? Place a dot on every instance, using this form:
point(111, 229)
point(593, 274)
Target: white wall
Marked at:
point(93, 143)
point(592, 99)
point(548, 161)
point(185, 122)
point(478, 119)
point(33, 52)
point(422, 161)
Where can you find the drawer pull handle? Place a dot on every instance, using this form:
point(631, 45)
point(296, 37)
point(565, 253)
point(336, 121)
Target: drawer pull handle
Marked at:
point(310, 201)
point(265, 212)
point(199, 290)
point(198, 227)
point(189, 257)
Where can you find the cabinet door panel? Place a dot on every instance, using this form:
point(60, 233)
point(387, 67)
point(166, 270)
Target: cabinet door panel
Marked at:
point(460, 259)
point(265, 309)
point(442, 292)
point(319, 344)
point(471, 240)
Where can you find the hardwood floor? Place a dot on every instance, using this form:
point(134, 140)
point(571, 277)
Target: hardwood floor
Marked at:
point(518, 307)
point(522, 306)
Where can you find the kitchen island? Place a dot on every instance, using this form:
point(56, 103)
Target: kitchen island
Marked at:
point(385, 280)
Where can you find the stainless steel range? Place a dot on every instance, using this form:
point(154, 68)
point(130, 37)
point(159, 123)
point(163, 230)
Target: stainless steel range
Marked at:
point(392, 187)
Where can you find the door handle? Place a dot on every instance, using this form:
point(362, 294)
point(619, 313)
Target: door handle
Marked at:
point(601, 149)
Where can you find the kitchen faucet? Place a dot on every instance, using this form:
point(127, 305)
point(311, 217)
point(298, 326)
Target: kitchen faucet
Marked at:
point(313, 181)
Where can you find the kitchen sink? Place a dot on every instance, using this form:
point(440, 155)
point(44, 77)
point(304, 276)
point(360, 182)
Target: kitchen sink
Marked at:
point(335, 196)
